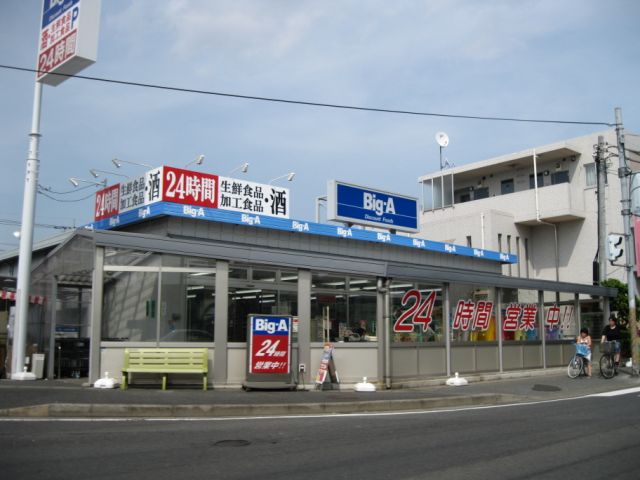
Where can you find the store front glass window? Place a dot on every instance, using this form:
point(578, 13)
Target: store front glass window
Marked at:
point(129, 257)
point(164, 298)
point(473, 313)
point(129, 306)
point(258, 290)
point(343, 309)
point(187, 307)
point(520, 315)
point(416, 312)
point(591, 316)
point(560, 317)
point(73, 312)
point(188, 262)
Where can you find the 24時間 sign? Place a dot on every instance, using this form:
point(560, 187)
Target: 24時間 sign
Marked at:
point(193, 190)
point(269, 344)
point(68, 40)
point(366, 206)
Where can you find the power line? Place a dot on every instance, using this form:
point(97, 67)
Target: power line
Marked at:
point(312, 104)
point(64, 201)
point(17, 223)
point(50, 190)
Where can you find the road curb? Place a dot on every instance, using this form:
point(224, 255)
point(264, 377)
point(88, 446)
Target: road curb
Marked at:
point(79, 410)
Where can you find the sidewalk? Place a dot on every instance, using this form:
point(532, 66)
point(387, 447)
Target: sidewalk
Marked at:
point(68, 398)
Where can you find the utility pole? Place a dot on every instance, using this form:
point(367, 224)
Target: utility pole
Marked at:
point(624, 172)
point(601, 172)
point(26, 245)
point(601, 181)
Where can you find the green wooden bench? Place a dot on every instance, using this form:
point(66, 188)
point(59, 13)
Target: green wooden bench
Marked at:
point(164, 361)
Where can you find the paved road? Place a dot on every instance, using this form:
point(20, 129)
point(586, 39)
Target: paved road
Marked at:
point(585, 438)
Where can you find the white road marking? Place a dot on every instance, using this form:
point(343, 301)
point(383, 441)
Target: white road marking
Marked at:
point(615, 393)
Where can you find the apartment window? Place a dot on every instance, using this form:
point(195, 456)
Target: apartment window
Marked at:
point(560, 177)
point(591, 175)
point(468, 240)
point(500, 242)
point(437, 192)
point(532, 183)
point(506, 186)
point(481, 193)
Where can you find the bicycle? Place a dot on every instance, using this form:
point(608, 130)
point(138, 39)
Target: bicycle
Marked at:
point(578, 362)
point(607, 360)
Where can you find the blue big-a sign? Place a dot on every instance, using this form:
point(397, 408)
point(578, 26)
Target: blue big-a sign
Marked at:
point(366, 206)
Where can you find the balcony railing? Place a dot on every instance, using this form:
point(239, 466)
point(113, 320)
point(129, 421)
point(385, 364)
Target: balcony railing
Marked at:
point(556, 204)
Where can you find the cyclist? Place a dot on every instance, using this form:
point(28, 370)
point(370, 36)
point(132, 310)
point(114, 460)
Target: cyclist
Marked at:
point(585, 339)
point(611, 333)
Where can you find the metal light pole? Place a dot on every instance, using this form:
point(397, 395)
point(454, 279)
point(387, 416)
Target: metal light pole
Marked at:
point(624, 173)
point(26, 244)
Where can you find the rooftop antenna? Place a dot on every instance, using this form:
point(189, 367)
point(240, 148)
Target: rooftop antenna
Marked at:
point(443, 140)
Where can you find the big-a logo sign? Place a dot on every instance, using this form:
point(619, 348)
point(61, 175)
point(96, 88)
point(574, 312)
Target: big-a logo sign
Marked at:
point(366, 206)
point(270, 344)
point(370, 202)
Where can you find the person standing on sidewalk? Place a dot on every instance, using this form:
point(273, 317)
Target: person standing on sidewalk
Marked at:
point(611, 333)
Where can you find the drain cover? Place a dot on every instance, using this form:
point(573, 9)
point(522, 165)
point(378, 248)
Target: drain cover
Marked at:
point(232, 443)
point(545, 388)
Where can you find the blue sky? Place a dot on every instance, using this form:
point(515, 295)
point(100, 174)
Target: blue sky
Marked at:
point(567, 60)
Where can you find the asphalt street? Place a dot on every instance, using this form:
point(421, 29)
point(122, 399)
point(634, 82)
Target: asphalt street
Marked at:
point(582, 437)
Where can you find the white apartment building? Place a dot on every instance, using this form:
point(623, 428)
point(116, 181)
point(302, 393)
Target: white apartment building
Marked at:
point(494, 204)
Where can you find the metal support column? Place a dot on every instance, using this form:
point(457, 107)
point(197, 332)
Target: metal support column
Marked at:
point(541, 327)
point(221, 326)
point(446, 315)
point(387, 332)
point(95, 331)
point(52, 329)
point(499, 328)
point(304, 323)
point(382, 335)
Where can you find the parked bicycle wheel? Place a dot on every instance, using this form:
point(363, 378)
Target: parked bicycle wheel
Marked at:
point(575, 366)
point(606, 366)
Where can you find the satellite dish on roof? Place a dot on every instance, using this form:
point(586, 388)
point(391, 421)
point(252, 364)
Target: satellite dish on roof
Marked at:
point(442, 139)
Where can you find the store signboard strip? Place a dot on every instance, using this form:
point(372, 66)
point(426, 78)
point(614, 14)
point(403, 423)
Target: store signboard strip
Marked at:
point(299, 226)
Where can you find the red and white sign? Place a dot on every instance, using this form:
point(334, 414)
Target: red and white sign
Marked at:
point(57, 43)
point(68, 38)
point(107, 202)
point(325, 362)
point(197, 189)
point(471, 315)
point(35, 299)
point(191, 188)
point(419, 311)
point(520, 317)
point(269, 344)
